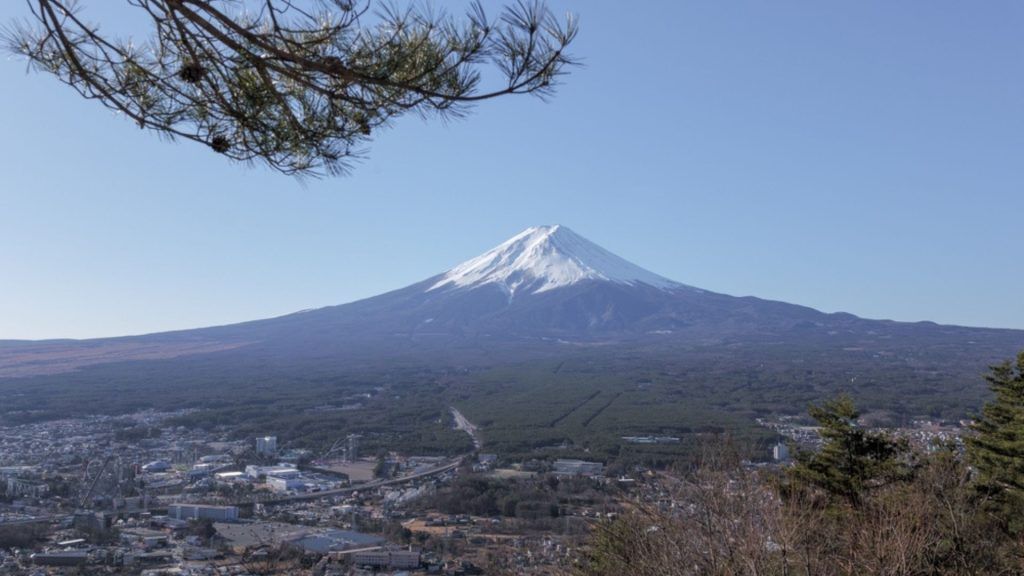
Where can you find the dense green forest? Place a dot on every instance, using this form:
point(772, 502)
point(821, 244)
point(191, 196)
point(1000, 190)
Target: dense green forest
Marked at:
point(575, 404)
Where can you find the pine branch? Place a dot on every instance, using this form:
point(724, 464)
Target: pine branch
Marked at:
point(298, 86)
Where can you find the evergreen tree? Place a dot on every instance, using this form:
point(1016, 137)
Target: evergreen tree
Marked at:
point(297, 84)
point(996, 450)
point(851, 460)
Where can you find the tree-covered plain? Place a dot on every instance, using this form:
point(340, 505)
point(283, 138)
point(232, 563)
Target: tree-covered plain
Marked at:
point(573, 404)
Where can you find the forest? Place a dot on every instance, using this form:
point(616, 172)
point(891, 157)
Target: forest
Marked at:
point(578, 404)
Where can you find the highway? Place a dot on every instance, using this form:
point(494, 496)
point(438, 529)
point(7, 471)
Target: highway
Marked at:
point(462, 423)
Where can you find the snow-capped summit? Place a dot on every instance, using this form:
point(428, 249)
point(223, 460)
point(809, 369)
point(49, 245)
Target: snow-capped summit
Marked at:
point(543, 258)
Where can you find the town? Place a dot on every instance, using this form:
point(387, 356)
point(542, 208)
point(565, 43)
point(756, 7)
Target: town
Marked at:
point(133, 494)
point(130, 494)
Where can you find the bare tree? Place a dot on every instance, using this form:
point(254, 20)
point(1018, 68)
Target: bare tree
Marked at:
point(724, 525)
point(272, 559)
point(728, 520)
point(300, 85)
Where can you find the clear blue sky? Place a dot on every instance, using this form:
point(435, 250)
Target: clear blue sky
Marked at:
point(858, 156)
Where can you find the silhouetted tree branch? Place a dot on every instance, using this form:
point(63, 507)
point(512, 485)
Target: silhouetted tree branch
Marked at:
point(300, 85)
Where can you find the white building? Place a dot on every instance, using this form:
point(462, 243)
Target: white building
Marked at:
point(255, 472)
point(780, 452)
point(201, 470)
point(278, 484)
point(198, 511)
point(266, 445)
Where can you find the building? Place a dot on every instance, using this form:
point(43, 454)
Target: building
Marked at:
point(266, 445)
point(92, 521)
point(144, 537)
point(485, 462)
point(325, 541)
point(62, 558)
point(29, 488)
point(156, 466)
point(201, 511)
point(255, 472)
point(651, 439)
point(202, 470)
point(389, 559)
point(577, 468)
point(8, 471)
point(780, 452)
point(279, 484)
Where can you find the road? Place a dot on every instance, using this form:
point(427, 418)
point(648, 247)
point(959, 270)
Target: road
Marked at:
point(463, 424)
point(451, 465)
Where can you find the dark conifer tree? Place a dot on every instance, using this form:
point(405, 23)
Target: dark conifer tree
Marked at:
point(996, 450)
point(852, 460)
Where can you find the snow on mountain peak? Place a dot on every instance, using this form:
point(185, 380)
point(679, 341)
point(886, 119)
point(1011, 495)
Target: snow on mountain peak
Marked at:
point(543, 258)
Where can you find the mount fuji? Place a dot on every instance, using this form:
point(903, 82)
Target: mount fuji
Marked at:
point(546, 258)
point(545, 291)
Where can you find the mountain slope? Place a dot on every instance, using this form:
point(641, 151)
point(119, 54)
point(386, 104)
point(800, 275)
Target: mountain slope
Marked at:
point(546, 284)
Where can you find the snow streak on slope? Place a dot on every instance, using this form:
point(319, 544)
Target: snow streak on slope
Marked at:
point(544, 258)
